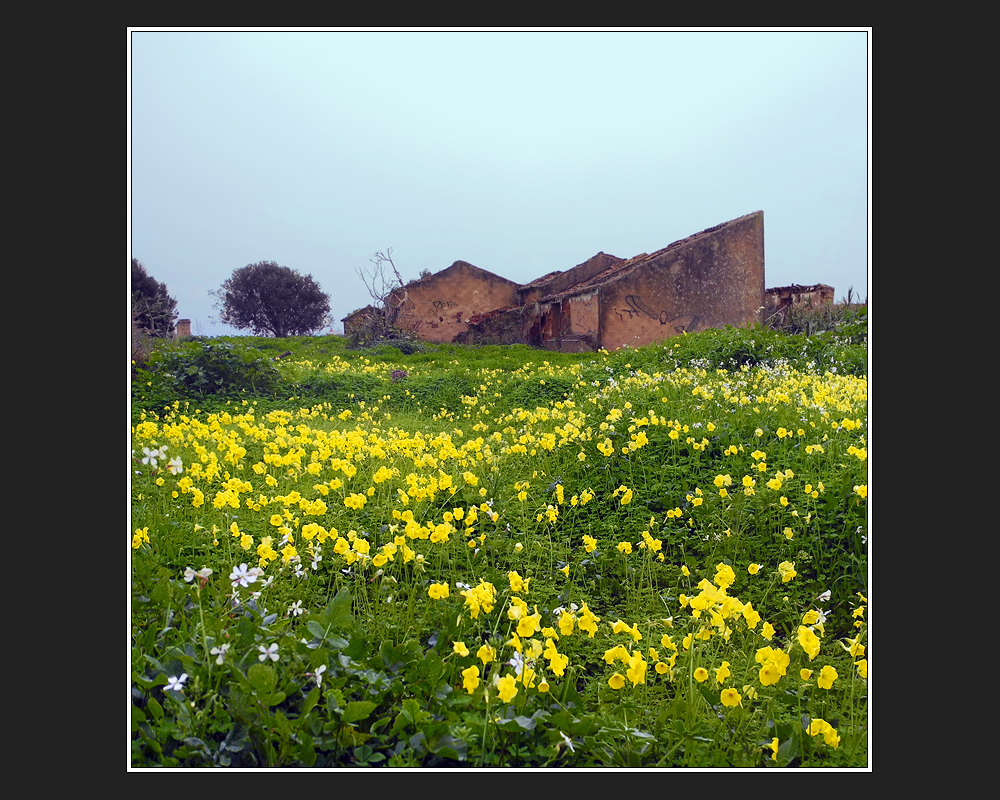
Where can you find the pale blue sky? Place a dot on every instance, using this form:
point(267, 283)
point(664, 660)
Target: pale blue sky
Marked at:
point(521, 152)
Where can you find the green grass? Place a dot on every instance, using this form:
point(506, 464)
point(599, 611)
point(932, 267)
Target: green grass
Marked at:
point(637, 487)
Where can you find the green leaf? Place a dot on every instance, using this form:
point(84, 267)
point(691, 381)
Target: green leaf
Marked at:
point(358, 710)
point(310, 701)
point(262, 678)
point(274, 698)
point(338, 613)
point(710, 697)
point(155, 708)
point(410, 715)
point(447, 746)
point(161, 592)
point(306, 749)
point(428, 669)
point(788, 751)
point(518, 723)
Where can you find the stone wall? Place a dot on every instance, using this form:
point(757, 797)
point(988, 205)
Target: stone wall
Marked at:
point(710, 279)
point(439, 306)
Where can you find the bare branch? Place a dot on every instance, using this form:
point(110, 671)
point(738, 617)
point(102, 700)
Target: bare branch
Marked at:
point(387, 289)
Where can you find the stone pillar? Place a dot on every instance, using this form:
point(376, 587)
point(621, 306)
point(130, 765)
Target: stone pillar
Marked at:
point(183, 328)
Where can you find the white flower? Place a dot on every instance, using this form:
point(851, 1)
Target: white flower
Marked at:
point(175, 465)
point(268, 652)
point(152, 457)
point(568, 741)
point(318, 675)
point(241, 576)
point(204, 573)
point(220, 652)
point(175, 684)
point(825, 596)
point(517, 662)
point(295, 609)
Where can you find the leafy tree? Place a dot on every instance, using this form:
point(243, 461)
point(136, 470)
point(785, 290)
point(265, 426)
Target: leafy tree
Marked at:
point(271, 300)
point(153, 309)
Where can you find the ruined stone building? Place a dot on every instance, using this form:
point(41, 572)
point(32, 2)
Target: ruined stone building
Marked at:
point(708, 280)
point(781, 299)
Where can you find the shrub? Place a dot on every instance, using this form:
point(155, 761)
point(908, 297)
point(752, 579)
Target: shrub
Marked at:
point(199, 368)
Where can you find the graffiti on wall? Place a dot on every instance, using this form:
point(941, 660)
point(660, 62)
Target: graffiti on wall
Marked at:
point(634, 307)
point(440, 305)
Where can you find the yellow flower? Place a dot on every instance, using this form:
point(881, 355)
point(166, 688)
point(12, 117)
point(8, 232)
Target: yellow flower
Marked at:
point(724, 576)
point(787, 571)
point(623, 627)
point(438, 591)
point(355, 501)
point(701, 674)
point(722, 672)
point(566, 622)
point(486, 654)
point(517, 583)
point(616, 681)
point(826, 678)
point(507, 688)
point(753, 569)
point(141, 536)
point(805, 674)
point(528, 625)
point(862, 666)
point(470, 679)
point(587, 621)
point(774, 748)
point(769, 675)
point(809, 641)
point(637, 669)
point(853, 647)
point(731, 698)
point(460, 648)
point(820, 727)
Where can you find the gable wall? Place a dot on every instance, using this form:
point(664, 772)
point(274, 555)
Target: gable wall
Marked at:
point(439, 306)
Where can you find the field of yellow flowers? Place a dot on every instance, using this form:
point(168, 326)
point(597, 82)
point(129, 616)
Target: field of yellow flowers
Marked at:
point(598, 560)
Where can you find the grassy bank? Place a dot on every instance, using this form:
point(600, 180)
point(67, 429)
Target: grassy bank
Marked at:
point(479, 557)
